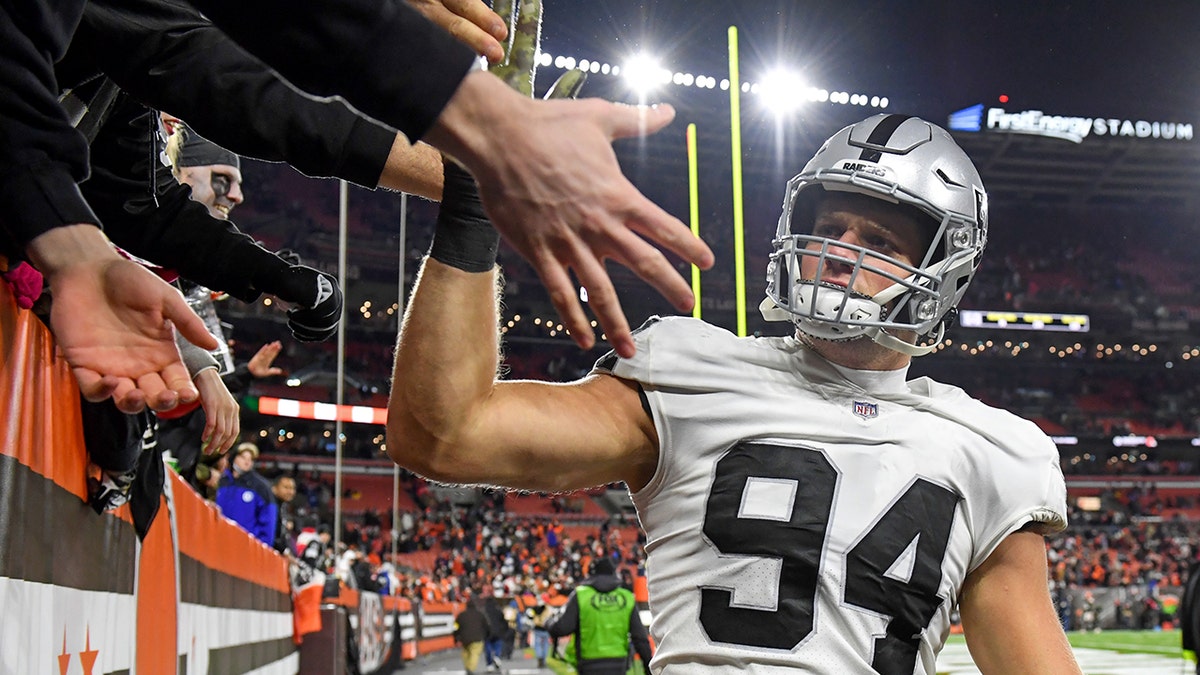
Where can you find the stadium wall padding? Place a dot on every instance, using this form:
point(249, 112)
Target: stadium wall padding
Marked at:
point(81, 594)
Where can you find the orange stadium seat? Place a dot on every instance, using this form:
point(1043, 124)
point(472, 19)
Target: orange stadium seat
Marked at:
point(374, 492)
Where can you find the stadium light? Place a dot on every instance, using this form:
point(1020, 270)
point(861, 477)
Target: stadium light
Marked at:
point(644, 74)
point(782, 91)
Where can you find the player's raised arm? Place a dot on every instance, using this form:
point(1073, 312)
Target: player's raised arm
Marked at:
point(450, 419)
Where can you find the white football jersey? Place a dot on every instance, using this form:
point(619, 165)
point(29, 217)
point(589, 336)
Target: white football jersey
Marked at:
point(811, 517)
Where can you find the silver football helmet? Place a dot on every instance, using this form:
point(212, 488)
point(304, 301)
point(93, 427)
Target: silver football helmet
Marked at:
point(905, 161)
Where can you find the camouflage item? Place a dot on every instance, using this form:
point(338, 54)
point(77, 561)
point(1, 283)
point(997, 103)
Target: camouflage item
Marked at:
point(567, 85)
point(519, 67)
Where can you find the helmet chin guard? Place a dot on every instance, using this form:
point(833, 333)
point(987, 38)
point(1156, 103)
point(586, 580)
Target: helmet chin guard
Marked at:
point(815, 300)
point(904, 161)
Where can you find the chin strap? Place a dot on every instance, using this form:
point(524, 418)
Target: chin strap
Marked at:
point(886, 339)
point(772, 312)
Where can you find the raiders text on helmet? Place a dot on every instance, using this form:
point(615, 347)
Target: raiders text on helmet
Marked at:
point(905, 161)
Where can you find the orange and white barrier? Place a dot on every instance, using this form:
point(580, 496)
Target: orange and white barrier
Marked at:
point(81, 595)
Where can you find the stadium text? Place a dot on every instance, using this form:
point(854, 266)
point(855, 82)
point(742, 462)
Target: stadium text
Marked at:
point(1073, 129)
point(1077, 128)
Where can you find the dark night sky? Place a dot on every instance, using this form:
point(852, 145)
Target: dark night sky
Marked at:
point(1111, 59)
point(1108, 59)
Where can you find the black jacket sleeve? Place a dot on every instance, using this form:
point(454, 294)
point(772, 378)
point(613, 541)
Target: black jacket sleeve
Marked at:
point(1189, 610)
point(173, 59)
point(382, 56)
point(42, 157)
point(640, 638)
point(238, 381)
point(566, 622)
point(147, 213)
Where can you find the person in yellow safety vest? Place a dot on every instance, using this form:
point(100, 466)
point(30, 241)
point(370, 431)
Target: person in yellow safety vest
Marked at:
point(604, 619)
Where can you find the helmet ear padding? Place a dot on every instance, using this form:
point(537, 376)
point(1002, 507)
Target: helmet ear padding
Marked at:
point(919, 168)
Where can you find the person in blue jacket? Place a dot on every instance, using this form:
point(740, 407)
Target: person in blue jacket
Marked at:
point(244, 496)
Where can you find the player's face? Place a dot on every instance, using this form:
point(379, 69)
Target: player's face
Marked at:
point(872, 224)
point(217, 186)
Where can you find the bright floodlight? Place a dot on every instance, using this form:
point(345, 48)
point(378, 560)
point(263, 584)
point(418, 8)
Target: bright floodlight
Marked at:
point(643, 74)
point(782, 91)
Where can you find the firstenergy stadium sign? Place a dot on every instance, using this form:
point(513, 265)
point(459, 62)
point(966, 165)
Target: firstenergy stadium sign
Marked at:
point(1074, 129)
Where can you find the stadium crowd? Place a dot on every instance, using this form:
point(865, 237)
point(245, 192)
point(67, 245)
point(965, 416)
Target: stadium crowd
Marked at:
point(1121, 548)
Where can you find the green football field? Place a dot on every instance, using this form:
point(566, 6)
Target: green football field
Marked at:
point(1160, 645)
point(1116, 652)
point(1165, 642)
point(1162, 642)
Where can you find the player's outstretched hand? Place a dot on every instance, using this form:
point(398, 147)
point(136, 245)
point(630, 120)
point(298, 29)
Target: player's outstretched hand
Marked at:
point(470, 21)
point(590, 213)
point(551, 185)
point(112, 319)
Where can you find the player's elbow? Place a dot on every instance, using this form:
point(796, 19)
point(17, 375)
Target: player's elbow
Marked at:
point(408, 443)
point(420, 450)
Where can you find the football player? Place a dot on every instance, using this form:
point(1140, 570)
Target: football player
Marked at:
point(806, 505)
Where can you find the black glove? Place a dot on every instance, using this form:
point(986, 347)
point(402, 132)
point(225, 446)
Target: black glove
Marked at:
point(319, 304)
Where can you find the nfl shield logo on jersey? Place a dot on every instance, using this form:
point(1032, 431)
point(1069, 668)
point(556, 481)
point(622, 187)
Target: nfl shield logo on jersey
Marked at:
point(866, 410)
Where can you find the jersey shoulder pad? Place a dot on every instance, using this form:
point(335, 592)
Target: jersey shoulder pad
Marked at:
point(671, 344)
point(1015, 431)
